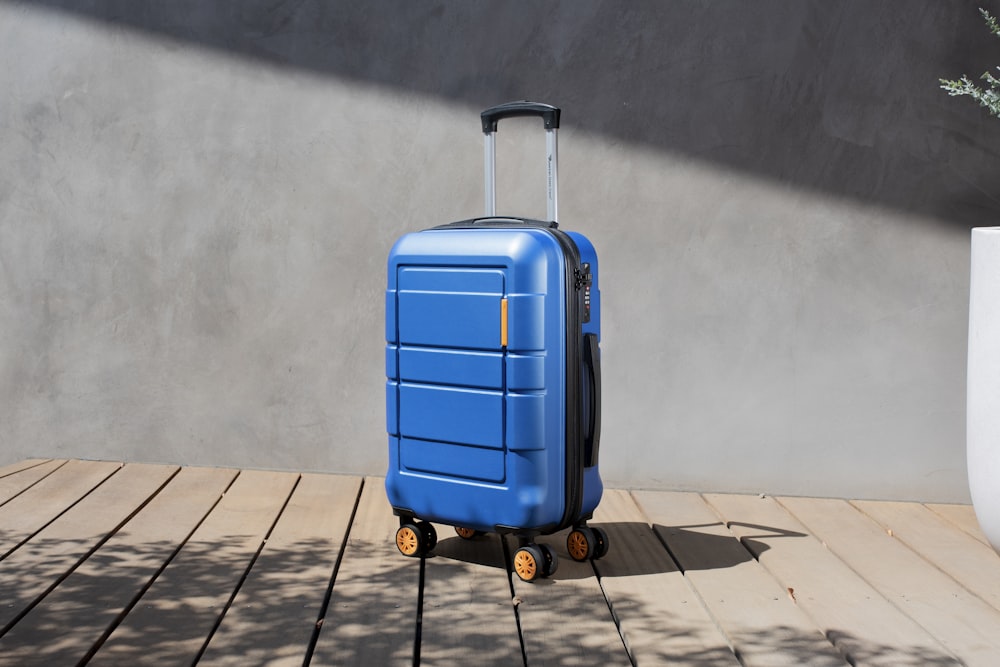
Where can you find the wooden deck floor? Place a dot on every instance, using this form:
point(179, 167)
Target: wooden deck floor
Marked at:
point(142, 564)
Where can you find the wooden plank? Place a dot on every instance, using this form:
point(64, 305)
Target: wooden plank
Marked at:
point(273, 618)
point(18, 482)
point(762, 623)
point(71, 619)
point(969, 561)
point(176, 616)
point(30, 511)
point(967, 626)
point(660, 618)
point(467, 608)
point(565, 619)
point(860, 622)
point(20, 466)
point(32, 570)
point(963, 516)
point(372, 616)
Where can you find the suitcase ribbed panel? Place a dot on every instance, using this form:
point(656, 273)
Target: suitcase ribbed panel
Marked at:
point(476, 429)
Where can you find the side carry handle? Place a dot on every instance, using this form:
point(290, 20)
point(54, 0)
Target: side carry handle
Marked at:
point(550, 118)
point(592, 360)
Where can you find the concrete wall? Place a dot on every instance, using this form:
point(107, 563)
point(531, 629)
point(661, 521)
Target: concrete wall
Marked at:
point(196, 202)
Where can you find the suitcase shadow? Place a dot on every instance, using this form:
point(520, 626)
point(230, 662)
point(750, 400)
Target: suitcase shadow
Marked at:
point(635, 549)
point(485, 550)
point(711, 546)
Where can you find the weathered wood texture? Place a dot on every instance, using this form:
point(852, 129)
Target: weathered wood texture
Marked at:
point(273, 617)
point(764, 626)
point(372, 615)
point(860, 622)
point(87, 605)
point(139, 564)
point(662, 619)
point(962, 622)
point(467, 605)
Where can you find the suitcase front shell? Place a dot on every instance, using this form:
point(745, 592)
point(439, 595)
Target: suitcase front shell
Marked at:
point(478, 396)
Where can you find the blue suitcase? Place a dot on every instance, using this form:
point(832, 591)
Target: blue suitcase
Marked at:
point(493, 376)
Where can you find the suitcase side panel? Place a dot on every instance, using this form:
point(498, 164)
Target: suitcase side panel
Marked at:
point(593, 487)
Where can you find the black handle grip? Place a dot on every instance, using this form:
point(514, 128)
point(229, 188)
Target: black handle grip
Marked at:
point(592, 360)
point(548, 113)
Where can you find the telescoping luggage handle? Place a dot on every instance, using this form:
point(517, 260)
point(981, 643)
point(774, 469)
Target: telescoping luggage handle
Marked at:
point(550, 118)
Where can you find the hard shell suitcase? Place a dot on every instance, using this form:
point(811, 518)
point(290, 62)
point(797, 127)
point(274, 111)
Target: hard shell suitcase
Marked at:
point(493, 389)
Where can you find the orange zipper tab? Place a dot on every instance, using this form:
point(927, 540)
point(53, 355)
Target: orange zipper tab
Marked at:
point(503, 322)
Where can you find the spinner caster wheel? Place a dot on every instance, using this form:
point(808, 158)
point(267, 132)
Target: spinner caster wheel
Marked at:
point(429, 534)
point(601, 547)
point(467, 533)
point(529, 562)
point(582, 544)
point(550, 560)
point(410, 540)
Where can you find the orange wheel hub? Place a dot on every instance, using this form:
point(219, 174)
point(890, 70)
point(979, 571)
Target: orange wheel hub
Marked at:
point(407, 541)
point(525, 565)
point(578, 545)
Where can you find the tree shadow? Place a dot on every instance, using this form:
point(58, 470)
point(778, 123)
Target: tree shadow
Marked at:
point(105, 593)
point(105, 604)
point(791, 643)
point(161, 592)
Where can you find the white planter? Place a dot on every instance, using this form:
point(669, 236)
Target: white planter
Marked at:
point(983, 426)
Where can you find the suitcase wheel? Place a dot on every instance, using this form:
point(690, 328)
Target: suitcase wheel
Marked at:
point(416, 539)
point(408, 540)
point(584, 543)
point(467, 533)
point(529, 562)
point(580, 543)
point(601, 549)
point(430, 535)
point(551, 561)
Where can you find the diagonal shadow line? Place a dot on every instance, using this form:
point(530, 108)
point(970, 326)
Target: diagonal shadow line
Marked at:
point(767, 531)
point(785, 93)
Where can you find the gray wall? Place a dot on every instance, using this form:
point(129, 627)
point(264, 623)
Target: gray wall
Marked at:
point(197, 199)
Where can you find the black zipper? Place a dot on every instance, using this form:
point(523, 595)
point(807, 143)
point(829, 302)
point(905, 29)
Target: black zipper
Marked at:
point(574, 381)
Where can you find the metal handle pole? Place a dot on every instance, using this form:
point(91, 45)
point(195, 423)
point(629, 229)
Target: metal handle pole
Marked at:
point(491, 170)
point(550, 117)
point(552, 174)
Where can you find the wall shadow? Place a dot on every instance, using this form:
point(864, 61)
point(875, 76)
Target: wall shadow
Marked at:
point(837, 97)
